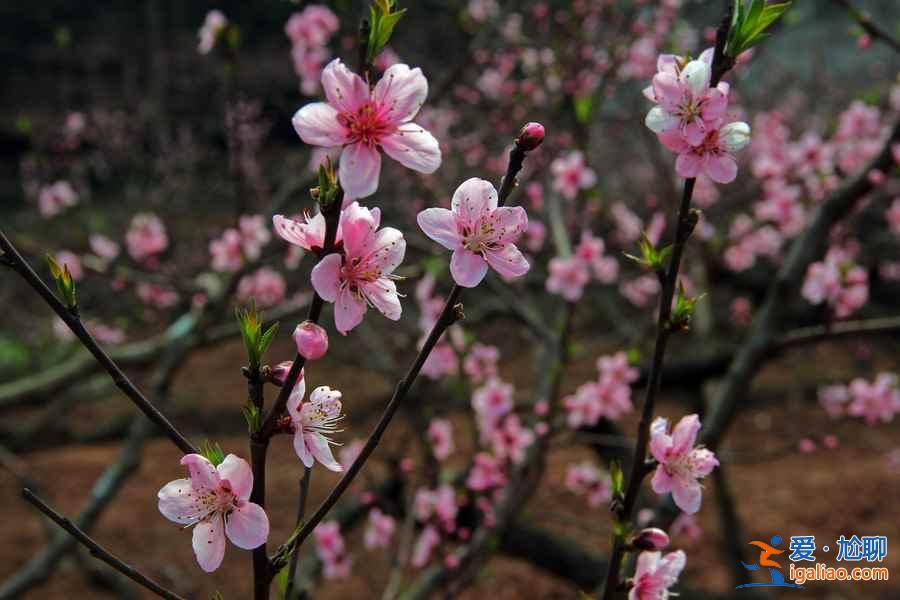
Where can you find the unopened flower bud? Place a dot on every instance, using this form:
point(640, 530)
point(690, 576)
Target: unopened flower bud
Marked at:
point(651, 539)
point(311, 340)
point(530, 137)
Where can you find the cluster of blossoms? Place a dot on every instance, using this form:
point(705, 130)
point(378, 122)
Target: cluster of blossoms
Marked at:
point(265, 286)
point(609, 396)
point(237, 244)
point(55, 198)
point(332, 550)
point(586, 479)
point(499, 427)
point(837, 281)
point(691, 118)
point(874, 402)
point(568, 276)
point(213, 26)
point(310, 31)
point(379, 529)
point(436, 511)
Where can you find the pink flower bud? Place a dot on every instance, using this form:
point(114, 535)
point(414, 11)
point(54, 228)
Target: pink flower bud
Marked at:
point(280, 371)
point(651, 539)
point(530, 137)
point(311, 340)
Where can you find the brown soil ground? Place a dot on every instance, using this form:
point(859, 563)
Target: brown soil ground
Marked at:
point(847, 491)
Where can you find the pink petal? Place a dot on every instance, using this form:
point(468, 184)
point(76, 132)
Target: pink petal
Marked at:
point(685, 434)
point(296, 398)
point(714, 105)
point(247, 526)
point(472, 199)
point(177, 502)
point(467, 268)
point(357, 226)
point(349, 309)
point(202, 472)
point(667, 91)
point(688, 165)
point(673, 563)
point(674, 141)
point(508, 261)
point(360, 168)
point(300, 448)
point(298, 233)
point(401, 92)
point(661, 482)
point(317, 124)
point(383, 294)
point(722, 169)
point(414, 148)
point(209, 542)
point(386, 250)
point(321, 450)
point(687, 496)
point(346, 91)
point(694, 132)
point(440, 225)
point(238, 473)
point(509, 222)
point(326, 277)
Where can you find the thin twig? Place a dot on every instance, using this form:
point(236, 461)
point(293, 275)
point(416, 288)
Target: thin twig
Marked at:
point(99, 551)
point(71, 318)
point(686, 221)
point(869, 26)
point(301, 512)
point(448, 316)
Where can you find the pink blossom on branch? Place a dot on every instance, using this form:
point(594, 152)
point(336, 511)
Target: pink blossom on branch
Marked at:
point(363, 275)
point(479, 233)
point(313, 421)
point(571, 174)
point(146, 237)
point(215, 500)
point(681, 465)
point(655, 574)
point(311, 340)
point(379, 530)
point(364, 121)
point(713, 157)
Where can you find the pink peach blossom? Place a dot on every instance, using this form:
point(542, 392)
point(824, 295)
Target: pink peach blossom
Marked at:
point(572, 174)
point(54, 199)
point(655, 574)
point(364, 120)
point(379, 530)
point(713, 156)
point(313, 421)
point(146, 237)
point(481, 362)
point(311, 340)
point(226, 252)
point(266, 286)
point(363, 275)
point(567, 278)
point(479, 233)
point(440, 435)
point(215, 500)
point(681, 465)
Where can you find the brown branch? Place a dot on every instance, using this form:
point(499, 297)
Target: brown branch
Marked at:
point(869, 26)
point(99, 551)
point(73, 321)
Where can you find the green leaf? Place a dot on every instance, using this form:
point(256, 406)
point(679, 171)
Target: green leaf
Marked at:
point(383, 19)
point(213, 452)
point(584, 106)
point(266, 339)
point(281, 581)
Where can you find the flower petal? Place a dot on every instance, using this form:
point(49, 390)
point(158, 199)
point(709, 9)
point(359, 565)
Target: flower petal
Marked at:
point(696, 75)
point(296, 398)
point(383, 294)
point(177, 502)
point(401, 92)
point(346, 91)
point(305, 235)
point(300, 448)
point(658, 120)
point(348, 310)
point(688, 165)
point(209, 542)
point(326, 277)
point(321, 450)
point(509, 223)
point(467, 268)
point(318, 124)
point(661, 482)
point(386, 250)
point(722, 168)
point(413, 147)
point(357, 226)
point(508, 261)
point(202, 472)
point(685, 434)
point(472, 199)
point(360, 168)
point(687, 495)
point(238, 473)
point(247, 526)
point(440, 225)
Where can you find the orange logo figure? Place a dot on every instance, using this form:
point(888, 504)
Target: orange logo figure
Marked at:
point(766, 552)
